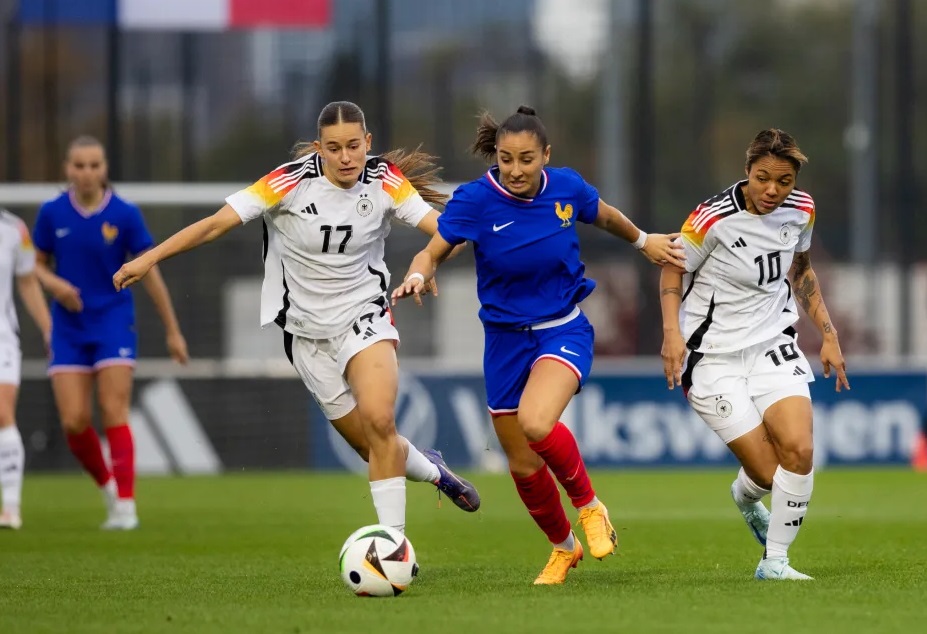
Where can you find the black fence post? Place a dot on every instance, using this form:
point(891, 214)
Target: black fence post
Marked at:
point(113, 115)
point(14, 96)
point(642, 176)
point(384, 64)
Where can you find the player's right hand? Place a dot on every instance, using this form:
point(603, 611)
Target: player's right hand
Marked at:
point(412, 286)
point(674, 354)
point(177, 347)
point(130, 273)
point(68, 296)
point(663, 249)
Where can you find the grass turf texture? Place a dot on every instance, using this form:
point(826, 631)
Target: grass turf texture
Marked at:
point(258, 553)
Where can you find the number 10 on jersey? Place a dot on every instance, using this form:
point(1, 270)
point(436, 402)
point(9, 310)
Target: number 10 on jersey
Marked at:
point(770, 267)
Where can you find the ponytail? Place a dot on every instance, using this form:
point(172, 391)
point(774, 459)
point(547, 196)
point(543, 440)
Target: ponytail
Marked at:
point(420, 170)
point(302, 148)
point(488, 131)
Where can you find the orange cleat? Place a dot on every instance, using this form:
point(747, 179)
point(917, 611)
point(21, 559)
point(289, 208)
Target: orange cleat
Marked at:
point(600, 534)
point(559, 564)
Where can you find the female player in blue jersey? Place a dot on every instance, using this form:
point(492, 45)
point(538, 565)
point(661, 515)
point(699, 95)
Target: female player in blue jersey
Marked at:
point(520, 217)
point(89, 231)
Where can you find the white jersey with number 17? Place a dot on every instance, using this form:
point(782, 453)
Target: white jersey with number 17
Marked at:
point(736, 292)
point(323, 245)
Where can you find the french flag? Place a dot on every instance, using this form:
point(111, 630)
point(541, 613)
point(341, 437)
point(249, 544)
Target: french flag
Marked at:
point(181, 15)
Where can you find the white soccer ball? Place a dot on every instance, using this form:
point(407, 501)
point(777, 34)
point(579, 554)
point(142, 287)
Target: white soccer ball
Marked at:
point(377, 561)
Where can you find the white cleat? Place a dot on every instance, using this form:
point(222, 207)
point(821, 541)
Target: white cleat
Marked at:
point(757, 518)
point(778, 569)
point(122, 517)
point(109, 495)
point(10, 521)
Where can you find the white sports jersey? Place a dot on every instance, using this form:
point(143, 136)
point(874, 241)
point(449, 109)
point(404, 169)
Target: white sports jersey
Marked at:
point(17, 257)
point(736, 291)
point(323, 245)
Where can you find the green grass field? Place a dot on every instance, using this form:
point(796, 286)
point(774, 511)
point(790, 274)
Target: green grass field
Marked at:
point(258, 553)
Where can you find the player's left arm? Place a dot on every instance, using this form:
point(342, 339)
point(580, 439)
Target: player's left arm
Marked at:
point(28, 284)
point(30, 291)
point(429, 226)
point(161, 298)
point(659, 248)
point(807, 291)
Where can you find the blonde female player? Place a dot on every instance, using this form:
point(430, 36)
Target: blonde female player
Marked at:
point(326, 217)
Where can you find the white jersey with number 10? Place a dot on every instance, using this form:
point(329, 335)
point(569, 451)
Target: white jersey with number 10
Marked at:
point(736, 292)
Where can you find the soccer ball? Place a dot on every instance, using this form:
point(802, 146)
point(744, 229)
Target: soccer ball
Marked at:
point(377, 561)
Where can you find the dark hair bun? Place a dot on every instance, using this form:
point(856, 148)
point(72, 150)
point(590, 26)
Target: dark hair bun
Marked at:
point(528, 110)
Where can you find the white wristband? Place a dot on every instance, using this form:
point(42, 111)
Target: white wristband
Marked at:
point(641, 240)
point(414, 275)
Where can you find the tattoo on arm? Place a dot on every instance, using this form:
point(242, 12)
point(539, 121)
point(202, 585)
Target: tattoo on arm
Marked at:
point(806, 287)
point(806, 283)
point(808, 291)
point(674, 290)
point(801, 265)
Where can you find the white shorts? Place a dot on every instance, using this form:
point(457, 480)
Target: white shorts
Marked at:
point(732, 391)
point(321, 363)
point(10, 363)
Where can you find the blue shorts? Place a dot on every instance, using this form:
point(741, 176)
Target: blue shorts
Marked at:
point(117, 345)
point(509, 356)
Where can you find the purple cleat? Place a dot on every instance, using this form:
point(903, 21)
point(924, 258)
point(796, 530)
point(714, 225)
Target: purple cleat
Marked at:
point(461, 492)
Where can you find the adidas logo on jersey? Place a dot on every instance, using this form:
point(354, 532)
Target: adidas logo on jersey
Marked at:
point(798, 372)
point(369, 332)
point(311, 210)
point(739, 243)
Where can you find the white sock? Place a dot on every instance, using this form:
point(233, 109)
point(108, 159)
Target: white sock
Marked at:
point(109, 489)
point(568, 544)
point(389, 498)
point(12, 460)
point(790, 496)
point(746, 491)
point(594, 502)
point(418, 467)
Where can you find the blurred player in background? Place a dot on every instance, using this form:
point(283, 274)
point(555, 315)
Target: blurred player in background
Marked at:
point(17, 261)
point(729, 339)
point(89, 231)
point(521, 217)
point(326, 216)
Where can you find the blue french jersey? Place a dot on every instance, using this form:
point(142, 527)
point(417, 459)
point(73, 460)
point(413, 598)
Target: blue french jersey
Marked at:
point(527, 251)
point(88, 249)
